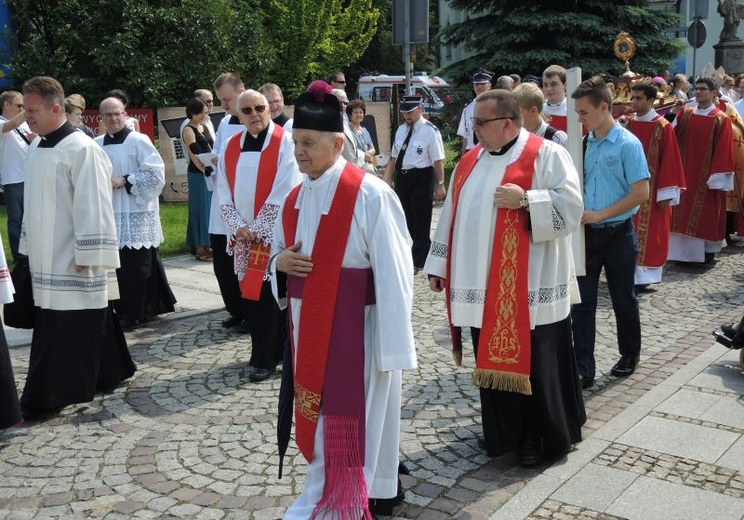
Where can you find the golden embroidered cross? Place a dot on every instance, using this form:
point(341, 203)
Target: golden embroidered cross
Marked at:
point(258, 255)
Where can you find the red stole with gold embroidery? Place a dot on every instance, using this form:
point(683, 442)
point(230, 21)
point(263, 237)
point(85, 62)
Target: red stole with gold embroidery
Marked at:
point(258, 253)
point(504, 349)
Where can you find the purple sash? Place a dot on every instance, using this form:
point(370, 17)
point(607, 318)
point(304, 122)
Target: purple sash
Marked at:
point(343, 384)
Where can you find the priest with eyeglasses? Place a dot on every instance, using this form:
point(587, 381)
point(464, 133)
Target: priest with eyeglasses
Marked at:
point(258, 170)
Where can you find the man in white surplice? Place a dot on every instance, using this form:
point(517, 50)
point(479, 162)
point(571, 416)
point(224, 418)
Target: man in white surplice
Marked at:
point(70, 239)
point(137, 180)
point(377, 241)
point(553, 207)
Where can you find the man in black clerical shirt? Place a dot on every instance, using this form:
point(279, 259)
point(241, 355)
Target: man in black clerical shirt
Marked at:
point(273, 95)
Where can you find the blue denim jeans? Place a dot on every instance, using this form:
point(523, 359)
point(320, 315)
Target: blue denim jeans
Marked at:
point(14, 204)
point(618, 261)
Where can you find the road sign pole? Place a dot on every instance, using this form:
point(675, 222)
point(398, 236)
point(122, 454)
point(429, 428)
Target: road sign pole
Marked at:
point(407, 45)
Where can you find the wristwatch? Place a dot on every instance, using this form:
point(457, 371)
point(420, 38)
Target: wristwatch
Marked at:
point(524, 202)
point(441, 183)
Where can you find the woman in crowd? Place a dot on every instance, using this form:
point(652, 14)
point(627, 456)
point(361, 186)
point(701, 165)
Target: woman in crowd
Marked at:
point(356, 110)
point(197, 139)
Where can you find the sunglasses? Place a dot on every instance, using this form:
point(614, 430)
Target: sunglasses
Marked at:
point(249, 110)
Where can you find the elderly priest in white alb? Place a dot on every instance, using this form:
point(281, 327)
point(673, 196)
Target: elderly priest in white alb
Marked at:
point(78, 346)
point(258, 169)
point(342, 241)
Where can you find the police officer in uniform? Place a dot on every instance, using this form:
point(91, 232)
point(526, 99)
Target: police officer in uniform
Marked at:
point(481, 83)
point(417, 165)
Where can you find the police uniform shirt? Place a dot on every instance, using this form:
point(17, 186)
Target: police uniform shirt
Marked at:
point(424, 148)
point(465, 128)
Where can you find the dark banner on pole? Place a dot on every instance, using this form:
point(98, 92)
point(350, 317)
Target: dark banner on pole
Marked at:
point(418, 19)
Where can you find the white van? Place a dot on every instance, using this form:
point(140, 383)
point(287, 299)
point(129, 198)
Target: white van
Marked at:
point(434, 91)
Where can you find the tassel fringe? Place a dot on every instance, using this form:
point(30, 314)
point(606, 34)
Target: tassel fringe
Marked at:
point(499, 380)
point(345, 492)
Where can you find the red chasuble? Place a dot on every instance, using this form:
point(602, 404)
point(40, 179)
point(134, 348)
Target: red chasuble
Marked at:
point(258, 255)
point(345, 491)
point(705, 144)
point(504, 349)
point(559, 122)
point(665, 165)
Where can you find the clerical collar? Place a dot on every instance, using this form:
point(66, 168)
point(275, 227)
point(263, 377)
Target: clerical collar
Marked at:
point(281, 119)
point(117, 138)
point(254, 144)
point(234, 120)
point(506, 147)
point(52, 139)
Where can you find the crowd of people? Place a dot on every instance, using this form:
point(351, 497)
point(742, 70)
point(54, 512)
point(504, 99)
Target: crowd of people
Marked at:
point(315, 254)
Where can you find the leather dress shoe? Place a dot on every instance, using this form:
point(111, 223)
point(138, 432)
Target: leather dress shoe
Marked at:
point(587, 382)
point(532, 451)
point(244, 327)
point(232, 321)
point(729, 329)
point(261, 374)
point(625, 367)
point(39, 414)
point(129, 325)
point(384, 506)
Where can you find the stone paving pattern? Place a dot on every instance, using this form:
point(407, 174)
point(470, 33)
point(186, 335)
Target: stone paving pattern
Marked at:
point(189, 436)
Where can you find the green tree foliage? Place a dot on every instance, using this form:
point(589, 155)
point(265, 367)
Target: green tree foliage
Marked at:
point(515, 36)
point(382, 57)
point(313, 38)
point(158, 51)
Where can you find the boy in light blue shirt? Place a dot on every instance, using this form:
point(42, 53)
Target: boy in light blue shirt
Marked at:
point(615, 184)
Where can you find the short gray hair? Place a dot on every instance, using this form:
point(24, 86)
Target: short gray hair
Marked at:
point(251, 92)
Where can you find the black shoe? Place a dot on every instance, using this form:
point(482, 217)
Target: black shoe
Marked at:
point(532, 451)
point(482, 443)
point(735, 343)
point(384, 506)
point(129, 325)
point(587, 382)
point(709, 258)
point(232, 321)
point(244, 327)
point(729, 329)
point(261, 374)
point(625, 367)
point(39, 414)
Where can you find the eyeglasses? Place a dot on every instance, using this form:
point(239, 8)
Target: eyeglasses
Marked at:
point(342, 81)
point(481, 122)
point(112, 114)
point(249, 110)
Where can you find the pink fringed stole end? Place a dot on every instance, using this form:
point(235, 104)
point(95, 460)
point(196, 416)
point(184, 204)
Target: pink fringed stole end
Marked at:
point(345, 491)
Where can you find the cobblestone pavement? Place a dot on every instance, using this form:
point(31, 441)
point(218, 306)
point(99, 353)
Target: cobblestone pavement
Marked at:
point(190, 437)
